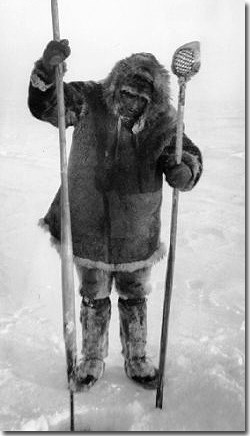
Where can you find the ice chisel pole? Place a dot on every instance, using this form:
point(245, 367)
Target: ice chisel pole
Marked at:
point(68, 292)
point(186, 63)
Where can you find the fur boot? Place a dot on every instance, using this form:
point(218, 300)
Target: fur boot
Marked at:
point(95, 317)
point(133, 332)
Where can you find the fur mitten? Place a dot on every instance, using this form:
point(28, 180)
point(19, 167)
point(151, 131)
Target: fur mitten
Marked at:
point(55, 53)
point(178, 176)
point(185, 175)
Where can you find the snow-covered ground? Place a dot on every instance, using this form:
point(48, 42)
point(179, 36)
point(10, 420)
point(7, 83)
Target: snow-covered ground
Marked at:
point(205, 362)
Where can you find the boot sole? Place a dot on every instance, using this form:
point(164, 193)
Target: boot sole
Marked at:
point(142, 381)
point(84, 384)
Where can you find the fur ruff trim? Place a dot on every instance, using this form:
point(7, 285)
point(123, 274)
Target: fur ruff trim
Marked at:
point(158, 255)
point(145, 66)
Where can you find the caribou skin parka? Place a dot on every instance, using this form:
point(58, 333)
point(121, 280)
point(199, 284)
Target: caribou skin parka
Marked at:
point(115, 172)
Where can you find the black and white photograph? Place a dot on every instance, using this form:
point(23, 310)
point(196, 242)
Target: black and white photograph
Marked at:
point(122, 190)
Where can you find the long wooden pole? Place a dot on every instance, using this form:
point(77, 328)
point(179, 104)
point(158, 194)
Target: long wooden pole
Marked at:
point(185, 64)
point(67, 271)
point(171, 253)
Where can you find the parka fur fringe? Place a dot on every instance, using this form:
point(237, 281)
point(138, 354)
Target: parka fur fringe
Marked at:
point(158, 255)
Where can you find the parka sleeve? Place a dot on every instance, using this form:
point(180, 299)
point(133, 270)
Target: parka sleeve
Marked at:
point(191, 156)
point(42, 99)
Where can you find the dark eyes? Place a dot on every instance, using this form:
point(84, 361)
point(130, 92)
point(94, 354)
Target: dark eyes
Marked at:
point(128, 94)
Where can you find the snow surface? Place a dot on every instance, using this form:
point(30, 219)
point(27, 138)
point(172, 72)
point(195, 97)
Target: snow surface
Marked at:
point(205, 361)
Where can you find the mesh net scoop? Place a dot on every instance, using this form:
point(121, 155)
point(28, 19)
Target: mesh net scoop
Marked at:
point(186, 60)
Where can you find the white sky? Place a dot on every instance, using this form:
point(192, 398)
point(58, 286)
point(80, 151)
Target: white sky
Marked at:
point(103, 31)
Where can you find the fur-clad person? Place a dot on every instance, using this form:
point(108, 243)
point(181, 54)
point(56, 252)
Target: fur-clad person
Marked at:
point(123, 142)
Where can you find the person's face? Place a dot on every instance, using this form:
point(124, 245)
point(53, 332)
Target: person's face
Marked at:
point(132, 104)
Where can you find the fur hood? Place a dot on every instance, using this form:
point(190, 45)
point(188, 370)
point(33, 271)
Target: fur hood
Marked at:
point(140, 67)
